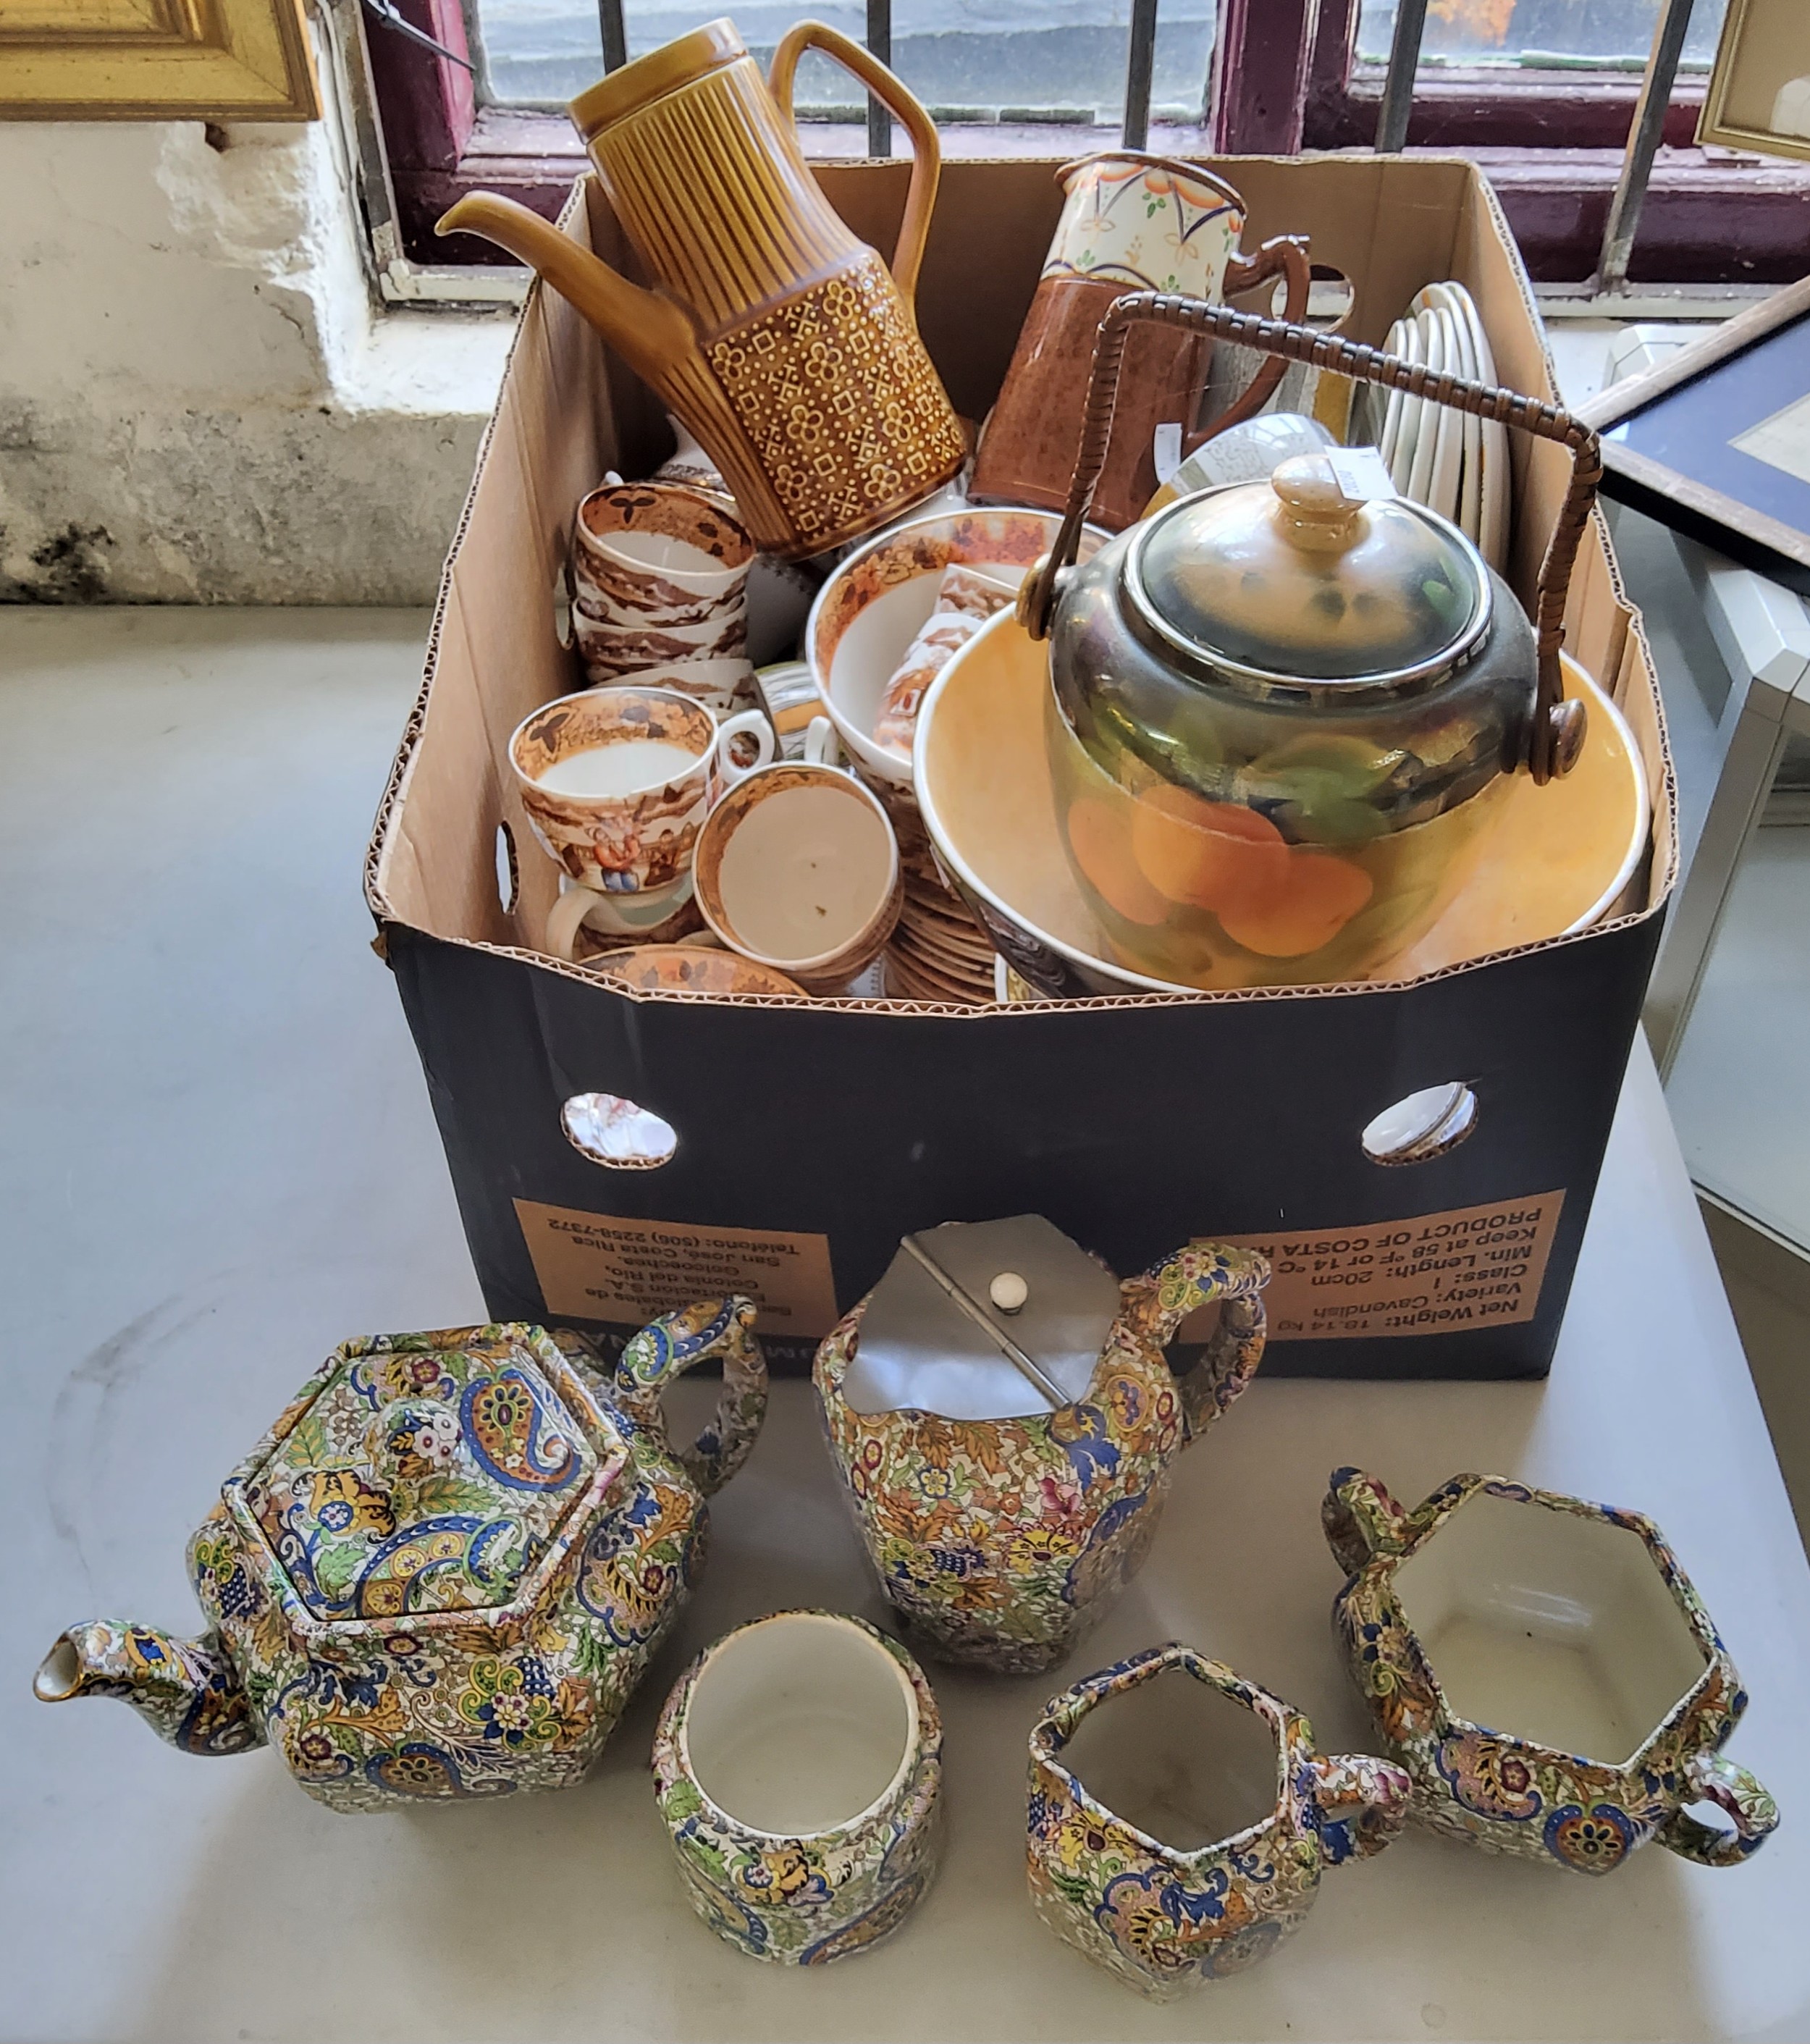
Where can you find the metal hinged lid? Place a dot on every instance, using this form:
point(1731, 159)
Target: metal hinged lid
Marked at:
point(1302, 578)
point(983, 1320)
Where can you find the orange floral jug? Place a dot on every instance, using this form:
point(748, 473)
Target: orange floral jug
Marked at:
point(781, 342)
point(1000, 1542)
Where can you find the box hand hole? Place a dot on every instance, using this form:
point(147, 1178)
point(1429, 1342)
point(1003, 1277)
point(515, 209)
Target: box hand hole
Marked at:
point(509, 870)
point(617, 1132)
point(1424, 1125)
point(565, 628)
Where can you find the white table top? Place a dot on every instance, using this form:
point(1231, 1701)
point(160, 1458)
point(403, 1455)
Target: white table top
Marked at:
point(201, 1225)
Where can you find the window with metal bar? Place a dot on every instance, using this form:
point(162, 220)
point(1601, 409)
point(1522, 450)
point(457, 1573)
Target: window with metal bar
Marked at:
point(1063, 62)
point(1542, 93)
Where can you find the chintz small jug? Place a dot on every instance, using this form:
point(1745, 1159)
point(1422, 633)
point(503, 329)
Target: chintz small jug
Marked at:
point(1546, 1672)
point(786, 346)
point(1001, 1540)
point(1179, 1819)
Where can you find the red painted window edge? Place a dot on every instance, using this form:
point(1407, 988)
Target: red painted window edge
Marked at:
point(1283, 79)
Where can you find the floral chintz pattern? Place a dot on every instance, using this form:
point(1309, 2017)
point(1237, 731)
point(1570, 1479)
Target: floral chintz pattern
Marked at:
point(1164, 1920)
point(442, 1571)
point(809, 1899)
point(1000, 1541)
point(1512, 1795)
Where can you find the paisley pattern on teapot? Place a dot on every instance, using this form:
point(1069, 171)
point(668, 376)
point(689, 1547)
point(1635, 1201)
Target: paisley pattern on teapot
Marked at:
point(1001, 1541)
point(804, 1901)
point(1511, 1795)
point(419, 1481)
point(442, 1572)
point(1164, 1920)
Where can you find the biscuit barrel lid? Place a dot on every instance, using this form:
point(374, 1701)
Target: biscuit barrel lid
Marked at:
point(983, 1320)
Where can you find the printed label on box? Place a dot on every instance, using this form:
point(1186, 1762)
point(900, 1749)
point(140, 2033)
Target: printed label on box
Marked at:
point(605, 1267)
point(1467, 1267)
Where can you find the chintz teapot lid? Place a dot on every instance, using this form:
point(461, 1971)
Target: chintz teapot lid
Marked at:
point(983, 1320)
point(408, 1482)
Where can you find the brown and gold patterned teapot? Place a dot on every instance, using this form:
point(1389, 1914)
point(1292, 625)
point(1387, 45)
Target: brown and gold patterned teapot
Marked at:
point(442, 1571)
point(784, 344)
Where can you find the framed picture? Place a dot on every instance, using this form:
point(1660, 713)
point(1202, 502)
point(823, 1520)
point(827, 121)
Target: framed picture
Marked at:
point(1715, 442)
point(156, 60)
point(1759, 90)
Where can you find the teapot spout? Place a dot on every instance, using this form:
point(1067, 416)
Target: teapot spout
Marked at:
point(187, 1690)
point(652, 334)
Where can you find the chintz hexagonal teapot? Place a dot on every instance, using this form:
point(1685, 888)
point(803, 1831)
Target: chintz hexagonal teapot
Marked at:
point(442, 1571)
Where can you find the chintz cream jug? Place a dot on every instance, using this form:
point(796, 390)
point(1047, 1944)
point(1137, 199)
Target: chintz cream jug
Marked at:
point(781, 342)
point(1007, 1424)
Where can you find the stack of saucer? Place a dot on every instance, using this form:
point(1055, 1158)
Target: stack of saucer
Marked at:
point(937, 952)
point(1454, 463)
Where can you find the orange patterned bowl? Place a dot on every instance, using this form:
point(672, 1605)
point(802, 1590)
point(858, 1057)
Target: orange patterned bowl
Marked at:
point(688, 968)
point(868, 612)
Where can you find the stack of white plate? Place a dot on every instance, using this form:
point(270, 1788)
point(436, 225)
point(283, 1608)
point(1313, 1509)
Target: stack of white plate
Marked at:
point(1453, 463)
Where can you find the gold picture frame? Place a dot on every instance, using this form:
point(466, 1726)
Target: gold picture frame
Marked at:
point(1763, 53)
point(156, 60)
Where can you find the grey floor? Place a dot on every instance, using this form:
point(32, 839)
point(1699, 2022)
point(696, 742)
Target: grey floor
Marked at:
point(187, 798)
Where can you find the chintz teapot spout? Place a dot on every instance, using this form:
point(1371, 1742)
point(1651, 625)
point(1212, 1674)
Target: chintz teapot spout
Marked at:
point(187, 1690)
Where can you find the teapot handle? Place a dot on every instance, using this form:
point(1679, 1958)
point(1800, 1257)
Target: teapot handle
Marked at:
point(1360, 1804)
point(926, 150)
point(1556, 734)
point(678, 1341)
point(1157, 1302)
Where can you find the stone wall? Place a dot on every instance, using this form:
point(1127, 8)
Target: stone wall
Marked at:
point(198, 401)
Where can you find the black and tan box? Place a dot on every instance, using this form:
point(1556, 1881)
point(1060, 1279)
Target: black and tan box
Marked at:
point(810, 1139)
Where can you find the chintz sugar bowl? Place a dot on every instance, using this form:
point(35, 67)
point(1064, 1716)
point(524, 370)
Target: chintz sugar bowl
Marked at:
point(798, 1765)
point(1280, 711)
point(442, 1571)
point(1179, 1818)
point(1545, 1670)
point(1006, 1424)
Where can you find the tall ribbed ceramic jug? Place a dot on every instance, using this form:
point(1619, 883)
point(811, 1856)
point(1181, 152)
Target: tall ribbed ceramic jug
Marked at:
point(781, 340)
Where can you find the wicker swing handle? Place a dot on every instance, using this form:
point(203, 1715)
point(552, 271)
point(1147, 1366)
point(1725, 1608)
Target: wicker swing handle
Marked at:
point(1556, 735)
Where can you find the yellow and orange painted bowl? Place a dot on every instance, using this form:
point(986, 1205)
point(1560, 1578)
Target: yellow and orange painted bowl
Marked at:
point(1535, 862)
